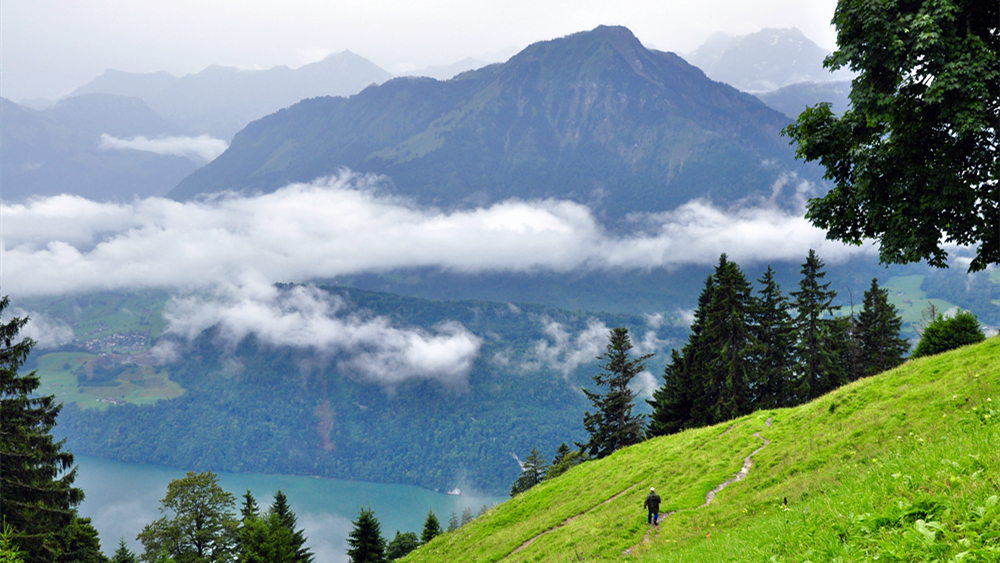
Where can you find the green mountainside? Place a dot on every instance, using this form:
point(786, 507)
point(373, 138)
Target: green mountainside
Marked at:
point(250, 406)
point(900, 466)
point(594, 117)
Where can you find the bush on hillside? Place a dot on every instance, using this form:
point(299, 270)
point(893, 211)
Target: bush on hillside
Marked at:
point(945, 334)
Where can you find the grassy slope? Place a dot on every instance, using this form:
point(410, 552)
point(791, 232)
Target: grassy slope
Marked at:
point(902, 465)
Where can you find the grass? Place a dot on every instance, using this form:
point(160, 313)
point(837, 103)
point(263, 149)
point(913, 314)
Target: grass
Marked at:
point(910, 300)
point(897, 467)
point(138, 384)
point(102, 314)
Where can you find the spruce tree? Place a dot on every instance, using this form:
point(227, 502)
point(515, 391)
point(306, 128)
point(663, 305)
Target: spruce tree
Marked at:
point(432, 528)
point(817, 366)
point(614, 426)
point(289, 520)
point(878, 330)
point(467, 515)
point(123, 554)
point(728, 341)
point(453, 522)
point(532, 472)
point(677, 402)
point(367, 544)
point(36, 483)
point(775, 345)
point(945, 334)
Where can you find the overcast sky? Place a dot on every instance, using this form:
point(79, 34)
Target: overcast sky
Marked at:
point(50, 47)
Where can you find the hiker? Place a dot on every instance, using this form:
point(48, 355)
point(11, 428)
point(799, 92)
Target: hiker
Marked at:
point(653, 505)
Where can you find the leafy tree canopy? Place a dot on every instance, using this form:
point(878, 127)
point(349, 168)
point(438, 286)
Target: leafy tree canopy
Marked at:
point(914, 160)
point(401, 545)
point(945, 334)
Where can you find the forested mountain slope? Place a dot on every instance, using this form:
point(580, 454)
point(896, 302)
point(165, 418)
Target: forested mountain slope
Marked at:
point(899, 465)
point(594, 117)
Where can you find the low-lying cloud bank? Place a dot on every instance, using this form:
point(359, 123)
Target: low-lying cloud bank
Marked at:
point(309, 318)
point(202, 148)
point(342, 225)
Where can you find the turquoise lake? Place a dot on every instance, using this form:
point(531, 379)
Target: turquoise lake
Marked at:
point(124, 497)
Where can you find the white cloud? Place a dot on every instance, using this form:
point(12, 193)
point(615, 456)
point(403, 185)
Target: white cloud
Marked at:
point(341, 225)
point(306, 317)
point(564, 352)
point(644, 384)
point(201, 148)
point(45, 331)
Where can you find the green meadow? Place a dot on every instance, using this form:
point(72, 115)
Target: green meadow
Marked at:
point(138, 384)
point(902, 466)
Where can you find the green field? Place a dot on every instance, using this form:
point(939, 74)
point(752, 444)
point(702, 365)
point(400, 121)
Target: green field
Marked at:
point(99, 315)
point(910, 300)
point(138, 384)
point(897, 467)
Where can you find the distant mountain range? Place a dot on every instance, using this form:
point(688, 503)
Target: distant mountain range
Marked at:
point(221, 100)
point(764, 61)
point(59, 150)
point(593, 117)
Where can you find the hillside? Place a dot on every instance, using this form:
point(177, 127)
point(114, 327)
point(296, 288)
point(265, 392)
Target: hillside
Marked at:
point(901, 465)
point(593, 117)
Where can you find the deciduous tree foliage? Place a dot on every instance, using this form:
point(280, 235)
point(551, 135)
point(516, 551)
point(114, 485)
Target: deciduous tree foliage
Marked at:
point(614, 426)
point(945, 334)
point(36, 483)
point(915, 159)
point(199, 525)
point(401, 545)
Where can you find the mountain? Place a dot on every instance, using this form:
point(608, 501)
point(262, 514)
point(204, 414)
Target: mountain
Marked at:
point(763, 61)
point(593, 117)
point(349, 413)
point(59, 150)
point(446, 72)
point(794, 98)
point(221, 100)
point(901, 464)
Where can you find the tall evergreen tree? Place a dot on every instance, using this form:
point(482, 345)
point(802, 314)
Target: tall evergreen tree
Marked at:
point(532, 473)
point(432, 527)
point(249, 509)
point(36, 483)
point(878, 330)
point(289, 520)
point(123, 554)
point(614, 426)
point(817, 367)
point(467, 515)
point(775, 345)
point(366, 541)
point(728, 340)
point(675, 403)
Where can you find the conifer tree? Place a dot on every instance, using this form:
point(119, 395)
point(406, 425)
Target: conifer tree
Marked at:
point(453, 522)
point(432, 528)
point(467, 515)
point(532, 473)
point(123, 554)
point(775, 345)
point(945, 334)
point(36, 483)
point(367, 544)
point(817, 366)
point(728, 341)
point(249, 509)
point(878, 330)
point(678, 404)
point(289, 520)
point(614, 426)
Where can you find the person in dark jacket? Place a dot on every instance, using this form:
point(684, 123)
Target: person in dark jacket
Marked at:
point(653, 505)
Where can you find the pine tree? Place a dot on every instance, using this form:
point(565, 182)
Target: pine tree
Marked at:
point(249, 509)
point(453, 522)
point(532, 473)
point(288, 519)
point(775, 345)
point(817, 366)
point(432, 528)
point(878, 330)
point(614, 426)
point(36, 483)
point(367, 544)
point(728, 342)
point(467, 515)
point(123, 554)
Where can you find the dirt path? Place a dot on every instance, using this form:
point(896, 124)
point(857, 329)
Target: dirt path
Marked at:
point(653, 530)
point(739, 476)
point(566, 522)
